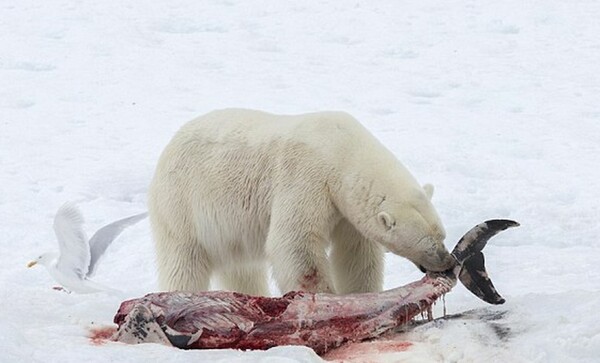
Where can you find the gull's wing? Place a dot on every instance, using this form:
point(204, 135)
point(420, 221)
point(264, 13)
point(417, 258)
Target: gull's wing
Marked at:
point(72, 242)
point(105, 235)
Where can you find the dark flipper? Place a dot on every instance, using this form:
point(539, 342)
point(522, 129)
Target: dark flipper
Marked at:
point(468, 254)
point(475, 278)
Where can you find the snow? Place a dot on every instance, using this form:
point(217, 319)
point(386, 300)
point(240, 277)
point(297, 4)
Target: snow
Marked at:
point(496, 103)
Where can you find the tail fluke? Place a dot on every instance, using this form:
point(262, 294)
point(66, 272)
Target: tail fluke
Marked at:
point(475, 278)
point(467, 253)
point(475, 240)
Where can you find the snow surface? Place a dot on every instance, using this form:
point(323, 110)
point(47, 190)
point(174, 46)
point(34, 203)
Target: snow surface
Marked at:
point(496, 103)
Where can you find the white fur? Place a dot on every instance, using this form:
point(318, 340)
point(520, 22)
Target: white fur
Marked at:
point(237, 188)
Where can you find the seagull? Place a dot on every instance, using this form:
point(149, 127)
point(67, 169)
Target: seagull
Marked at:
point(77, 259)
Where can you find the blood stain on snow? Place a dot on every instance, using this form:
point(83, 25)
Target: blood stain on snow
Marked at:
point(100, 335)
point(360, 352)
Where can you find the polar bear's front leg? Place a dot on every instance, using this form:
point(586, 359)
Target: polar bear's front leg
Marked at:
point(299, 262)
point(245, 278)
point(357, 262)
point(296, 245)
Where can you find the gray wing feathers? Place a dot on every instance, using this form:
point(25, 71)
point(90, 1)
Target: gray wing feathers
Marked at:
point(72, 241)
point(104, 237)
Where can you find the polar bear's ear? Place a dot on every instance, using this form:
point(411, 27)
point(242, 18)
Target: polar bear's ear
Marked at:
point(428, 188)
point(386, 220)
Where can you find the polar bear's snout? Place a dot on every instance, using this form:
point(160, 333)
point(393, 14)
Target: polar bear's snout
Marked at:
point(434, 257)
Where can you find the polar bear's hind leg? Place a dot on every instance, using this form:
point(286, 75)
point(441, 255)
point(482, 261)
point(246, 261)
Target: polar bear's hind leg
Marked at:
point(183, 263)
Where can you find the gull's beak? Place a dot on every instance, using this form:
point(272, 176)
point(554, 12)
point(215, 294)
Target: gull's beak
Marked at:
point(32, 263)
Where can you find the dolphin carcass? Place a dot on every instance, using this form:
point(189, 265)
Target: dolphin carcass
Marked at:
point(221, 319)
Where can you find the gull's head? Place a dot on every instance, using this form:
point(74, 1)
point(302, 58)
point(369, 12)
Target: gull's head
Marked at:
point(44, 260)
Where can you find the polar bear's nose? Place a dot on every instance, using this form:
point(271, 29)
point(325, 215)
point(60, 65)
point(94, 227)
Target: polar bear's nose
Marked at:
point(439, 259)
point(446, 260)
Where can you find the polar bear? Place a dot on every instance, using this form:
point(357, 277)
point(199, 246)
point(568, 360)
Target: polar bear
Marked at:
point(315, 196)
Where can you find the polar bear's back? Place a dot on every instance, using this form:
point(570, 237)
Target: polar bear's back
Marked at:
point(247, 146)
point(330, 136)
point(257, 127)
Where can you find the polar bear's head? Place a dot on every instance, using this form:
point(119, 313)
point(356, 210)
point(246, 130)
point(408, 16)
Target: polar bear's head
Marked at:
point(409, 226)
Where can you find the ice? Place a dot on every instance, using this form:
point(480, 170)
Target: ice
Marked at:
point(496, 104)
